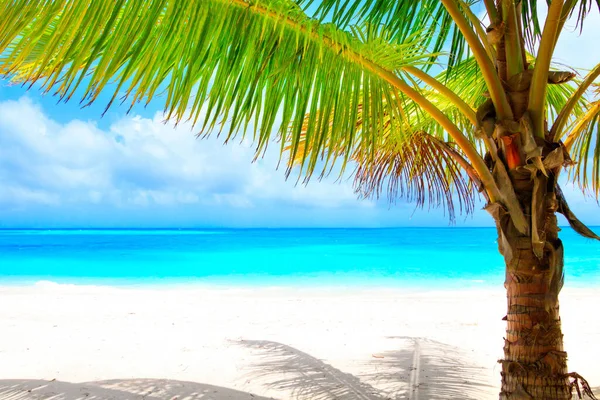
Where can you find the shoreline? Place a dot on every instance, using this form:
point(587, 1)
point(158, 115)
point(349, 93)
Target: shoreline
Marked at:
point(258, 282)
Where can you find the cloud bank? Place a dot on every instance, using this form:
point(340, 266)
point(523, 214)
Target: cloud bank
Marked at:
point(144, 164)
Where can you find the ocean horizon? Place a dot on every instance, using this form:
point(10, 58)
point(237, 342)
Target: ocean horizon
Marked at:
point(415, 257)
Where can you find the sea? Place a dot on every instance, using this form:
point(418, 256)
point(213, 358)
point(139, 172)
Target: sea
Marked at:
point(395, 257)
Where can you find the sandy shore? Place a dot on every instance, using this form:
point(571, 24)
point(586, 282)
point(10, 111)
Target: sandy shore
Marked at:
point(87, 342)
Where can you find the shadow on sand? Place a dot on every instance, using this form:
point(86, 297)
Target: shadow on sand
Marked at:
point(418, 369)
point(133, 389)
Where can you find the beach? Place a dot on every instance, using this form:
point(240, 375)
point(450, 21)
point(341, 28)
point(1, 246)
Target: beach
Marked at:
point(236, 342)
point(299, 200)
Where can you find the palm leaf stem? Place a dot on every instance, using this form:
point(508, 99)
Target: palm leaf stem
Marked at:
point(512, 40)
point(492, 11)
point(466, 109)
point(539, 81)
point(521, 35)
point(558, 127)
point(488, 70)
point(480, 32)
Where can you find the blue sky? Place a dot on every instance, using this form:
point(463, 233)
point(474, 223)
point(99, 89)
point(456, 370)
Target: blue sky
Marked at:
point(63, 166)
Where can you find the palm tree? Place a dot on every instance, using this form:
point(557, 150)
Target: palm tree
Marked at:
point(421, 96)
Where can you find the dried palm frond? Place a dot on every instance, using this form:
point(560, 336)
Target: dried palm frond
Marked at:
point(421, 169)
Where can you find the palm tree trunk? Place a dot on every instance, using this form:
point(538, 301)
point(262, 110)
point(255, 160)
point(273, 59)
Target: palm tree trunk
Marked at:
point(535, 363)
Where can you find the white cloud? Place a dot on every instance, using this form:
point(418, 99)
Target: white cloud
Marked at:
point(140, 161)
point(142, 172)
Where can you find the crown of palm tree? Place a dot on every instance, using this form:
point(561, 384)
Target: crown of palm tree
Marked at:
point(331, 80)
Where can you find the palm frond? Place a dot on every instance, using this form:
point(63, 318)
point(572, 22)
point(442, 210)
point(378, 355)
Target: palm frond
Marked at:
point(558, 95)
point(259, 64)
point(450, 373)
point(328, 88)
point(573, 108)
point(406, 162)
point(302, 376)
point(421, 169)
point(413, 158)
point(583, 143)
point(401, 18)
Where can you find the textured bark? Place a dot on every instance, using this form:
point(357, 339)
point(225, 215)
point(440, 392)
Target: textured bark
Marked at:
point(525, 166)
point(535, 363)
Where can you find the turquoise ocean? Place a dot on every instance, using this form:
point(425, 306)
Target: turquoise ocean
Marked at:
point(405, 257)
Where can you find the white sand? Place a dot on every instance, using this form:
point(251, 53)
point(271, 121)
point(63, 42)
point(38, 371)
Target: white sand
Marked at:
point(283, 343)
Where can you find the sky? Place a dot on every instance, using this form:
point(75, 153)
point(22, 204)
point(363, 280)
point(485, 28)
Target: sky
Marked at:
point(64, 166)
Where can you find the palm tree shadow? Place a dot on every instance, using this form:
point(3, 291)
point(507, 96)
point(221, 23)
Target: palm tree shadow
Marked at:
point(419, 369)
point(426, 369)
point(130, 389)
point(285, 368)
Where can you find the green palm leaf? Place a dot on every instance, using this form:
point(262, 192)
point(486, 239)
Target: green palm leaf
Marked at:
point(406, 163)
point(255, 64)
point(399, 17)
point(403, 17)
point(415, 158)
